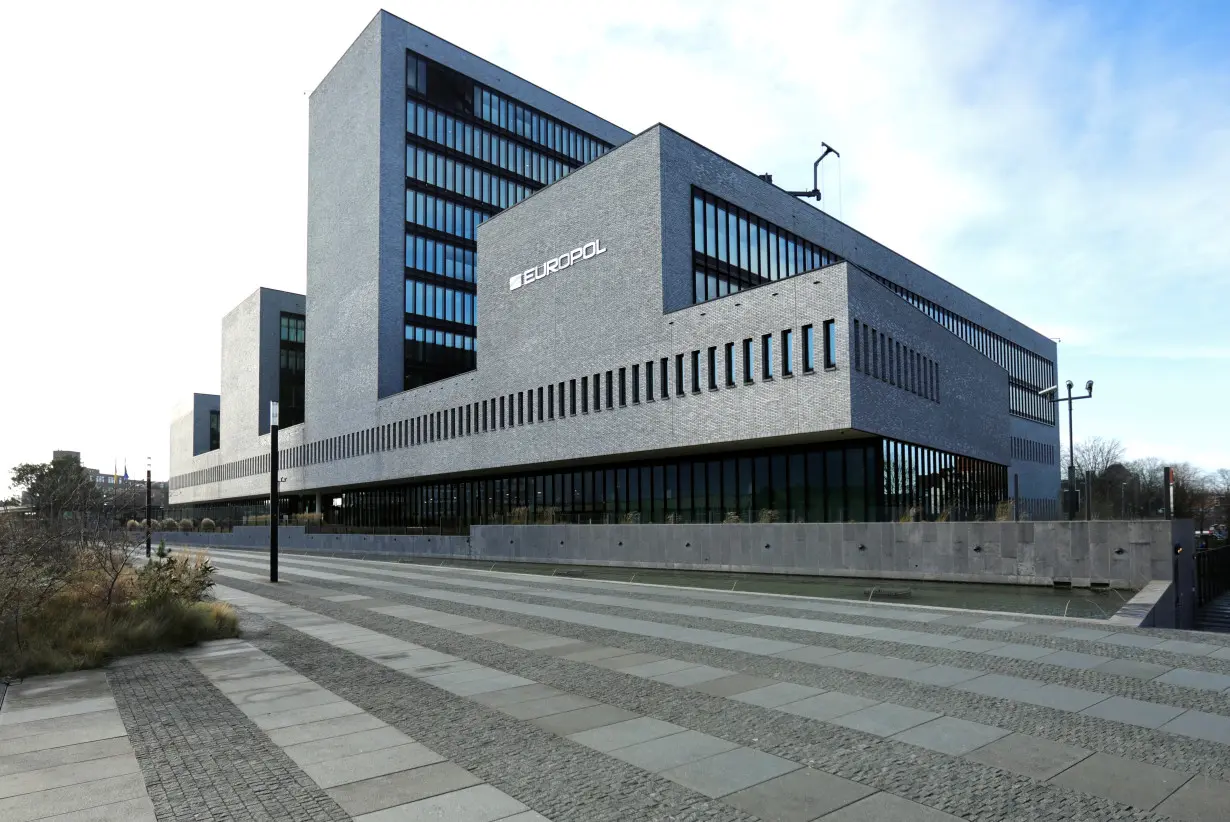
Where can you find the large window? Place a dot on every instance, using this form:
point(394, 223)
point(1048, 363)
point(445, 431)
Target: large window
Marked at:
point(733, 249)
point(215, 429)
point(291, 368)
point(470, 152)
point(1028, 373)
point(865, 480)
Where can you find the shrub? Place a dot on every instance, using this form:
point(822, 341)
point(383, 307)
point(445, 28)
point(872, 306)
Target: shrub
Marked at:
point(767, 515)
point(70, 599)
point(732, 518)
point(133, 525)
point(167, 578)
point(168, 525)
point(186, 525)
point(207, 524)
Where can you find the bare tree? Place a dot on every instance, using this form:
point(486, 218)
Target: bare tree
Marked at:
point(1097, 454)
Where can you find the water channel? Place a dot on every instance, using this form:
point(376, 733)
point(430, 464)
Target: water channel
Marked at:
point(1090, 603)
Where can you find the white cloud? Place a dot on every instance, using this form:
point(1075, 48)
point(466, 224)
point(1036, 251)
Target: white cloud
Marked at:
point(1068, 172)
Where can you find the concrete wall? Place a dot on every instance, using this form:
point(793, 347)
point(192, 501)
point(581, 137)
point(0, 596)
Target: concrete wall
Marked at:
point(190, 431)
point(250, 343)
point(1121, 554)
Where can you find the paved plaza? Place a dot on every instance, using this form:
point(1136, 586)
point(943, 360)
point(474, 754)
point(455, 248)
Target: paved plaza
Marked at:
point(381, 691)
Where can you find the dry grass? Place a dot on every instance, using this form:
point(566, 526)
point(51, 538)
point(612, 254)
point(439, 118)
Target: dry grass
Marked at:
point(103, 608)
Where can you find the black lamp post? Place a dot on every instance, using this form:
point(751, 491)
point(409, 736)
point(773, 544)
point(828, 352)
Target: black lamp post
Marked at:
point(1055, 399)
point(273, 492)
point(149, 506)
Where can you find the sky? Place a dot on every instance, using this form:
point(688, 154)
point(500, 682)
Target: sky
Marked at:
point(1067, 163)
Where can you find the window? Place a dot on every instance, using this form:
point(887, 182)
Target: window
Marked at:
point(560, 395)
point(551, 402)
point(787, 352)
point(215, 429)
point(733, 250)
point(730, 364)
point(766, 357)
point(610, 394)
point(679, 375)
point(540, 403)
point(809, 349)
point(636, 383)
point(649, 381)
point(584, 395)
point(572, 398)
point(713, 367)
point(598, 392)
point(623, 387)
point(830, 343)
point(664, 380)
point(501, 411)
point(695, 371)
point(747, 360)
point(521, 407)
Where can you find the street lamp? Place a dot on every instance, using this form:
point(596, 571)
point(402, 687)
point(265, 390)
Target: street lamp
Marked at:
point(273, 491)
point(1053, 391)
point(148, 504)
point(1123, 500)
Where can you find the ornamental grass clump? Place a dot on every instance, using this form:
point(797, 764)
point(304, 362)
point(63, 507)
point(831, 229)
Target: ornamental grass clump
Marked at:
point(72, 599)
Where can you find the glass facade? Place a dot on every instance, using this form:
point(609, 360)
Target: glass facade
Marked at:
point(291, 370)
point(733, 250)
point(1028, 373)
point(215, 430)
point(470, 152)
point(864, 480)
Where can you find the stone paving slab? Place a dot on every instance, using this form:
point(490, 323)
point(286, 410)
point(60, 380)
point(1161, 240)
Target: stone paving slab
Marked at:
point(1032, 691)
point(1011, 651)
point(375, 771)
point(730, 772)
point(951, 735)
point(884, 807)
point(61, 755)
point(799, 796)
point(83, 796)
point(67, 753)
point(668, 752)
point(404, 787)
point(1031, 756)
point(1123, 780)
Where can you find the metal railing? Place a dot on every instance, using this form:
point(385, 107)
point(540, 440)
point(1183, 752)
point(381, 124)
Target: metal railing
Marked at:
point(1212, 575)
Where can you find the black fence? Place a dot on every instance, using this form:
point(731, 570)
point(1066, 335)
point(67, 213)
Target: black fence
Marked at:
point(1212, 574)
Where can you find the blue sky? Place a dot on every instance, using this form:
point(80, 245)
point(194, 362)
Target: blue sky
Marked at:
point(1067, 163)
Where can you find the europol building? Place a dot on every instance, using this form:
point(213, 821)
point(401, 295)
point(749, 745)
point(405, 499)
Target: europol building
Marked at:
point(519, 312)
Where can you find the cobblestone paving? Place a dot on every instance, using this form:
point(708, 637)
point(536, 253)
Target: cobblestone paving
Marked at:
point(559, 779)
point(1125, 686)
point(201, 757)
point(967, 789)
point(1035, 631)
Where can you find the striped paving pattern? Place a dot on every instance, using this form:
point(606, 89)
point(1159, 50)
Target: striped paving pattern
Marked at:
point(64, 753)
point(1162, 756)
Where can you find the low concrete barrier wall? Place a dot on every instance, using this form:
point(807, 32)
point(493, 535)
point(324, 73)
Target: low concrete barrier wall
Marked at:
point(294, 538)
point(1120, 554)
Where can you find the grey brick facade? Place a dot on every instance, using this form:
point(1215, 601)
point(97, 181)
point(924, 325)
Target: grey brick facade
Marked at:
point(623, 308)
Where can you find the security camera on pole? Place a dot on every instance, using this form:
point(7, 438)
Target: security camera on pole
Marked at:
point(1053, 391)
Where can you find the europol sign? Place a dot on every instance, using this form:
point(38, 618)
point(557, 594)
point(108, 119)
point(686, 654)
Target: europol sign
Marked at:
point(586, 252)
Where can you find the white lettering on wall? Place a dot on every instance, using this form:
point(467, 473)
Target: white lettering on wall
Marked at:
point(586, 252)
